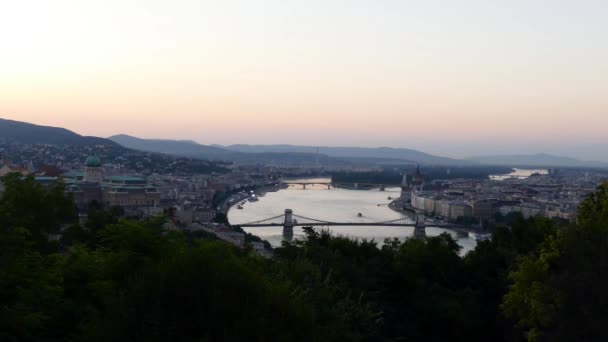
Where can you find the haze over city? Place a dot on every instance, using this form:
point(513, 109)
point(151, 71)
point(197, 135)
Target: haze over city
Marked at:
point(450, 78)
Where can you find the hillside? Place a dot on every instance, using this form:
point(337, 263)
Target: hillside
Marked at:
point(26, 133)
point(176, 147)
point(386, 153)
point(535, 160)
point(285, 154)
point(188, 148)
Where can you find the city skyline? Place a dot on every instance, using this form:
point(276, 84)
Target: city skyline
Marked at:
point(462, 79)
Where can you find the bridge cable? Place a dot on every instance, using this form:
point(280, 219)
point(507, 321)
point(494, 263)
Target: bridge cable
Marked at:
point(311, 219)
point(261, 221)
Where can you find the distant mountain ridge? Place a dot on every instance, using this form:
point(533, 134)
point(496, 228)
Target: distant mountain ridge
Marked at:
point(188, 148)
point(177, 147)
point(25, 133)
point(277, 153)
point(536, 160)
point(381, 153)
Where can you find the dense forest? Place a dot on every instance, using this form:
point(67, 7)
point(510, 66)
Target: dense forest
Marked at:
point(118, 280)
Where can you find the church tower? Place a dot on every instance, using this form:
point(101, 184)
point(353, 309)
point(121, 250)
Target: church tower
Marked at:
point(92, 170)
point(417, 179)
point(406, 189)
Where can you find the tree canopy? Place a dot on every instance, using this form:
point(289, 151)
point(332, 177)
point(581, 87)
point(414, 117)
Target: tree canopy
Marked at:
point(559, 293)
point(117, 279)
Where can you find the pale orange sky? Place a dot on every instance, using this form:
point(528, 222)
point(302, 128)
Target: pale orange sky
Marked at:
point(368, 73)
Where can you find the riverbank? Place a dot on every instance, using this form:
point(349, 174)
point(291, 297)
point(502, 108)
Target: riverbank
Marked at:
point(336, 205)
point(406, 209)
point(403, 208)
point(236, 235)
point(239, 197)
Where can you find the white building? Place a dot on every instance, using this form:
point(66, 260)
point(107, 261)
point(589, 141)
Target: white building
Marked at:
point(459, 209)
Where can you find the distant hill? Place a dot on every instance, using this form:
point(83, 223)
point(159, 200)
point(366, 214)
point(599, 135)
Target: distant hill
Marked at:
point(379, 153)
point(176, 147)
point(188, 148)
point(26, 133)
point(285, 154)
point(536, 160)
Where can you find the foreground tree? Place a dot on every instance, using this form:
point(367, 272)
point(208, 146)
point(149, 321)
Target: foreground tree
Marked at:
point(125, 280)
point(39, 211)
point(489, 264)
point(30, 274)
point(413, 290)
point(559, 292)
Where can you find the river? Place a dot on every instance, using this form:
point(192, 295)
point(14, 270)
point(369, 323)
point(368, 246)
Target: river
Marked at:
point(520, 174)
point(335, 205)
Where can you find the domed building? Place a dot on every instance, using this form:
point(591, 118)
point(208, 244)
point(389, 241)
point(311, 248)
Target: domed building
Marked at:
point(132, 193)
point(93, 161)
point(93, 172)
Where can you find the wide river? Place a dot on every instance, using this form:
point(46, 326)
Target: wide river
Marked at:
point(520, 174)
point(335, 205)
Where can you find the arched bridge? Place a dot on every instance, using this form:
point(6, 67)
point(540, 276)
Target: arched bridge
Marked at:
point(288, 220)
point(330, 183)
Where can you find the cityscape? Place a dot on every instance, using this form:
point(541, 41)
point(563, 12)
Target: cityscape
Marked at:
point(348, 171)
point(152, 184)
point(266, 204)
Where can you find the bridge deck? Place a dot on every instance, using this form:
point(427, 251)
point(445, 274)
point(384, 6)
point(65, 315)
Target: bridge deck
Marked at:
point(353, 224)
point(337, 183)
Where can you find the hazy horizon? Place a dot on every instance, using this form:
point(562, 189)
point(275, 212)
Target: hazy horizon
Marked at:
point(452, 79)
point(590, 153)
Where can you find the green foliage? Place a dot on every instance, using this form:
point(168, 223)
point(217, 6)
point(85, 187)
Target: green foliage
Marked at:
point(594, 211)
point(125, 280)
point(488, 268)
point(427, 288)
point(332, 273)
point(207, 293)
point(28, 205)
point(530, 298)
point(558, 293)
point(30, 275)
point(401, 291)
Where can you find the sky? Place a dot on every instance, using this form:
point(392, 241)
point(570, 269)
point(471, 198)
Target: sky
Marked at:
point(454, 78)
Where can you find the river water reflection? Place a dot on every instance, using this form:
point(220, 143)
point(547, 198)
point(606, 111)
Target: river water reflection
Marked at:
point(520, 174)
point(335, 205)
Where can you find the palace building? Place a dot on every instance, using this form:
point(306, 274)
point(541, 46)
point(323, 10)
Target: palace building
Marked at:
point(129, 192)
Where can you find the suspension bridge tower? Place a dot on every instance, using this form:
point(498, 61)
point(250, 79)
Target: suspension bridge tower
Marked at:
point(288, 225)
point(420, 227)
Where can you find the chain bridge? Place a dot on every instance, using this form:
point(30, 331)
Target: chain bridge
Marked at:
point(289, 220)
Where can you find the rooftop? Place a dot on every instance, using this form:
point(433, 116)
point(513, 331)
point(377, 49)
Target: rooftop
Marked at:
point(125, 179)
